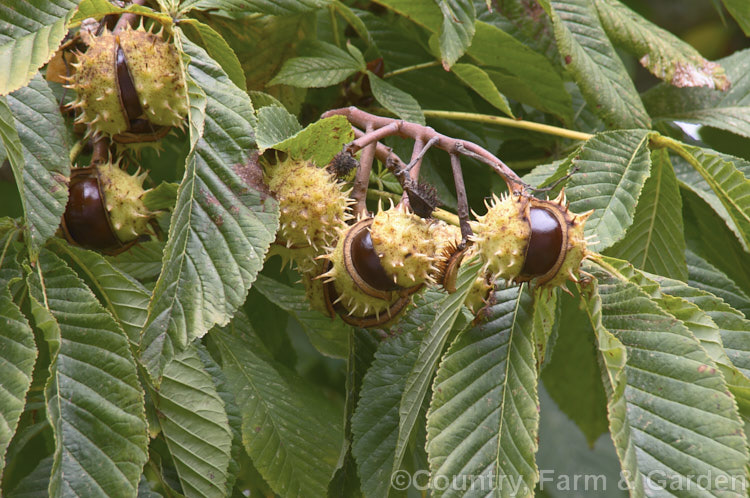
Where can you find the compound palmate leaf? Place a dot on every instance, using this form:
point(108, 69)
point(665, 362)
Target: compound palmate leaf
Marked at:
point(30, 32)
point(221, 227)
point(612, 168)
point(292, 433)
point(195, 425)
point(682, 424)
point(94, 400)
point(483, 420)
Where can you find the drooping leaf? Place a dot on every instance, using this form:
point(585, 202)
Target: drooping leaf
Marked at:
point(481, 83)
point(376, 420)
point(655, 241)
point(94, 399)
point(519, 72)
point(395, 100)
point(703, 275)
point(441, 322)
point(219, 50)
point(662, 53)
point(727, 110)
point(592, 61)
point(292, 433)
point(275, 125)
point(323, 65)
point(18, 354)
point(572, 377)
point(729, 184)
point(124, 297)
point(30, 32)
point(681, 420)
point(330, 337)
point(34, 138)
point(238, 8)
point(741, 12)
point(221, 227)
point(195, 426)
point(320, 141)
point(613, 167)
point(457, 29)
point(483, 420)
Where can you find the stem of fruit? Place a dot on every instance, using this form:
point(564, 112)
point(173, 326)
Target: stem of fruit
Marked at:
point(513, 123)
point(101, 151)
point(127, 19)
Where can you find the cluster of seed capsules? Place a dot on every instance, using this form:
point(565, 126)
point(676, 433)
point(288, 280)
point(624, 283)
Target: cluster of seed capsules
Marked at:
point(130, 92)
point(367, 268)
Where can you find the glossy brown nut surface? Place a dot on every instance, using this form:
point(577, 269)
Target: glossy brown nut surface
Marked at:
point(125, 86)
point(86, 218)
point(545, 243)
point(367, 263)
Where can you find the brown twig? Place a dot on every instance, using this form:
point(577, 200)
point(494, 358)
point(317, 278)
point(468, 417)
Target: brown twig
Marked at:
point(462, 202)
point(383, 127)
point(359, 190)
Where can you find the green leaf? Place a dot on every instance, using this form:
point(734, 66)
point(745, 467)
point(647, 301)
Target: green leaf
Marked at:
point(124, 297)
point(440, 323)
point(234, 417)
point(740, 10)
point(727, 110)
point(100, 8)
point(320, 141)
point(354, 21)
point(195, 425)
point(613, 167)
point(481, 83)
point(730, 186)
point(483, 420)
point(519, 72)
point(681, 421)
point(18, 354)
point(324, 65)
point(655, 241)
point(30, 32)
point(573, 377)
point(38, 153)
point(330, 337)
point(375, 421)
point(219, 50)
point(662, 53)
point(35, 485)
point(457, 29)
point(221, 227)
point(142, 261)
point(238, 8)
point(94, 399)
point(703, 275)
point(275, 125)
point(395, 100)
point(595, 66)
point(292, 433)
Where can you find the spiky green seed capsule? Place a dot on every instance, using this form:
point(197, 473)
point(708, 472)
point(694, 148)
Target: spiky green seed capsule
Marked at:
point(501, 236)
point(312, 206)
point(155, 68)
point(96, 87)
point(406, 246)
point(123, 194)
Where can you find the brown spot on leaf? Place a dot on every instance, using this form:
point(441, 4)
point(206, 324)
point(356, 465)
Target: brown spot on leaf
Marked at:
point(568, 59)
point(251, 174)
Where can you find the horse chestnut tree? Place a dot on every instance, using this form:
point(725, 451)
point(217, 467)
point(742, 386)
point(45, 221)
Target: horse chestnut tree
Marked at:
point(338, 248)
